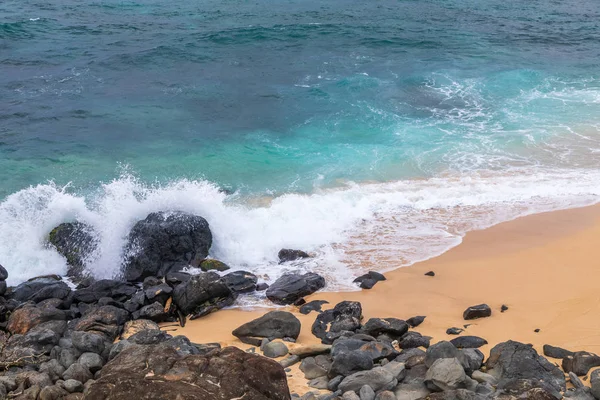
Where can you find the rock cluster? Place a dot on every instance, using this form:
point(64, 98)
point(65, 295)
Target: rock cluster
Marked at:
point(383, 358)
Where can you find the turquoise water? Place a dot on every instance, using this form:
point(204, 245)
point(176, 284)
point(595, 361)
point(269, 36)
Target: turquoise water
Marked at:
point(491, 106)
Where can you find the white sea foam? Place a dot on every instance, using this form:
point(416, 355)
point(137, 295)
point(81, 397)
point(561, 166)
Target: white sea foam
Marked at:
point(350, 229)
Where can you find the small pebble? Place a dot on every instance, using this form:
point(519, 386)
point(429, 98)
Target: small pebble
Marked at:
point(503, 308)
point(430, 273)
point(537, 330)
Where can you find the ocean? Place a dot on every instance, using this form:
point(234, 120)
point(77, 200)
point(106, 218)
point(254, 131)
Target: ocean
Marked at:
point(371, 134)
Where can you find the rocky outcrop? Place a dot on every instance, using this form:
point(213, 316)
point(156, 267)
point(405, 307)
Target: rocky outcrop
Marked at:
point(291, 287)
point(163, 372)
point(163, 241)
point(76, 242)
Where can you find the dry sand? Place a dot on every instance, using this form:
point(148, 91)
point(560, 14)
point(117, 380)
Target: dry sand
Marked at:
point(544, 267)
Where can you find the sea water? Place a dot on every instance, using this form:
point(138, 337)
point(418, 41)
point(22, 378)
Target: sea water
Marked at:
point(371, 134)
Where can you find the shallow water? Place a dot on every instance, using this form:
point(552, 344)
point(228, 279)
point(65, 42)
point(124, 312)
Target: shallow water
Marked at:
point(373, 135)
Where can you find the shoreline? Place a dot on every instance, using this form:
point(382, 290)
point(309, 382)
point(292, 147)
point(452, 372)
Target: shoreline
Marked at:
point(542, 266)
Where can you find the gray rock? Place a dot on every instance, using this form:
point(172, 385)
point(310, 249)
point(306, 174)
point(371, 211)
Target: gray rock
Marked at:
point(334, 383)
point(439, 350)
point(53, 368)
point(468, 342)
point(414, 339)
point(472, 359)
point(88, 342)
point(579, 394)
point(445, 374)
point(350, 396)
point(478, 311)
point(289, 361)
point(274, 324)
point(513, 361)
point(378, 350)
point(348, 362)
point(91, 361)
point(73, 386)
point(595, 383)
point(397, 369)
point(311, 369)
point(275, 349)
point(8, 382)
point(78, 372)
point(385, 395)
point(377, 378)
point(68, 356)
point(484, 389)
point(406, 354)
point(319, 383)
point(556, 352)
point(411, 391)
point(482, 377)
point(52, 393)
point(366, 393)
point(32, 378)
point(119, 347)
point(580, 362)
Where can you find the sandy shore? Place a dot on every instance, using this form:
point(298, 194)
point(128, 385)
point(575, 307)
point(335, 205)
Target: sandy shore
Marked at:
point(544, 267)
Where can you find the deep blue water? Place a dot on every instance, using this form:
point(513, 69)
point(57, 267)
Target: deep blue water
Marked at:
point(266, 97)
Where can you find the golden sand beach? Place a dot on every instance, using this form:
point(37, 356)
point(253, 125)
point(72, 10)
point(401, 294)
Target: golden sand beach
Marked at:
point(545, 268)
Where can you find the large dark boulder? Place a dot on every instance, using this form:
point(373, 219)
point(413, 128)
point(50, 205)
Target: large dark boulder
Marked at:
point(117, 290)
point(203, 294)
point(41, 288)
point(149, 372)
point(76, 242)
point(511, 361)
point(345, 316)
point(292, 286)
point(272, 325)
point(165, 240)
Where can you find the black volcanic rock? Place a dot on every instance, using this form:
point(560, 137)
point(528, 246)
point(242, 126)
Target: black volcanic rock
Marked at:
point(203, 294)
point(274, 324)
point(76, 242)
point(478, 311)
point(291, 255)
point(291, 287)
point(163, 241)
